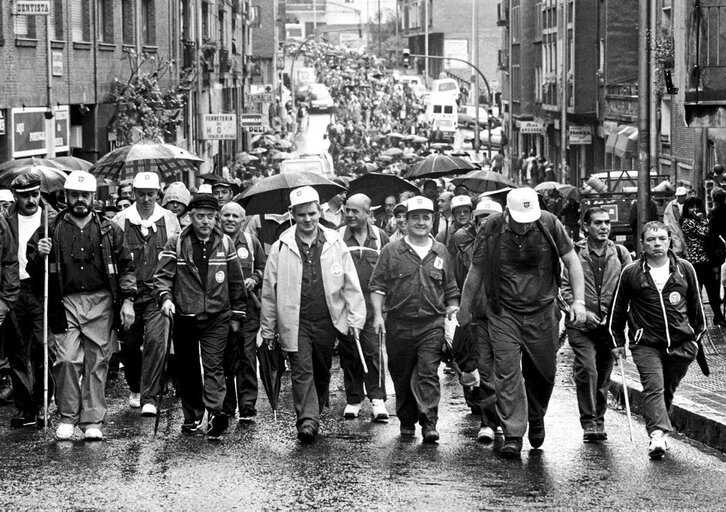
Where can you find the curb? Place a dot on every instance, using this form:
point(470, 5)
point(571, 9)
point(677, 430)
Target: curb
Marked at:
point(685, 415)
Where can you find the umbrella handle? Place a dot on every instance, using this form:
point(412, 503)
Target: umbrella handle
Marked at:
point(360, 352)
point(627, 400)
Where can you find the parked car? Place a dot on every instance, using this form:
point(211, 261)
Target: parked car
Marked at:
point(442, 130)
point(467, 114)
point(320, 99)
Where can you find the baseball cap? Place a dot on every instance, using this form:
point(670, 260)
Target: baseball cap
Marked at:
point(203, 200)
point(419, 203)
point(303, 195)
point(147, 179)
point(459, 201)
point(6, 195)
point(26, 182)
point(487, 207)
point(399, 208)
point(523, 205)
point(81, 181)
point(681, 191)
point(205, 188)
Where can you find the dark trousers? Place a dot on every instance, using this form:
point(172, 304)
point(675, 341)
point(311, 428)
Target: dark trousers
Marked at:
point(194, 337)
point(525, 362)
point(414, 355)
point(592, 367)
point(353, 375)
point(485, 396)
point(709, 277)
point(240, 365)
point(23, 334)
point(310, 369)
point(143, 371)
point(660, 374)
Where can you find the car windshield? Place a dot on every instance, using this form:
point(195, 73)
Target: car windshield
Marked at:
point(447, 86)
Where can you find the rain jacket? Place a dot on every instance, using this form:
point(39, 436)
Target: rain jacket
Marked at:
point(9, 280)
point(662, 320)
point(283, 283)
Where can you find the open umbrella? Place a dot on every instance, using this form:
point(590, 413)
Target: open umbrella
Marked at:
point(272, 367)
point(378, 186)
point(439, 165)
point(272, 194)
point(71, 163)
point(280, 156)
point(419, 139)
point(167, 160)
point(394, 152)
point(564, 189)
point(483, 181)
point(51, 179)
point(395, 135)
point(26, 162)
point(259, 151)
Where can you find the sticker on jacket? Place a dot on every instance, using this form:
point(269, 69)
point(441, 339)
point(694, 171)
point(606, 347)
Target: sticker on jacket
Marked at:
point(438, 263)
point(219, 277)
point(243, 253)
point(336, 269)
point(674, 298)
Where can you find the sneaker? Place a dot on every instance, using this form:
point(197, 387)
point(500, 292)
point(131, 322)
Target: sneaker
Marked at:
point(485, 435)
point(21, 420)
point(351, 411)
point(135, 400)
point(306, 434)
point(536, 433)
point(379, 410)
point(93, 434)
point(191, 426)
point(591, 435)
point(408, 430)
point(247, 413)
point(216, 425)
point(512, 448)
point(64, 431)
point(499, 435)
point(149, 410)
point(430, 435)
point(6, 390)
point(658, 445)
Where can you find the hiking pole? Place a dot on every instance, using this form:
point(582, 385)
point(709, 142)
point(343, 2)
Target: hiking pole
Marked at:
point(164, 373)
point(627, 400)
point(360, 351)
point(382, 367)
point(45, 329)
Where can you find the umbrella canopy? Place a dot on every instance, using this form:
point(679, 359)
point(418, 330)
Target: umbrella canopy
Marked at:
point(272, 194)
point(395, 135)
point(272, 367)
point(350, 149)
point(439, 165)
point(280, 156)
point(393, 152)
point(245, 158)
point(419, 139)
point(483, 181)
point(259, 151)
point(166, 160)
point(564, 189)
point(51, 179)
point(378, 186)
point(26, 162)
point(71, 163)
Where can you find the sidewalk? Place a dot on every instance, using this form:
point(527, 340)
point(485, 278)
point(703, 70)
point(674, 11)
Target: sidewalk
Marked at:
point(699, 407)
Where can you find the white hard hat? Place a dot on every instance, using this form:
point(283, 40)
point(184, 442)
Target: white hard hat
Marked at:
point(147, 180)
point(419, 203)
point(81, 181)
point(205, 188)
point(459, 201)
point(681, 191)
point(487, 206)
point(303, 195)
point(523, 205)
point(6, 195)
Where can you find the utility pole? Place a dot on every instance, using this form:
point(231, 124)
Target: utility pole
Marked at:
point(380, 42)
point(643, 116)
point(426, 41)
point(654, 100)
point(315, 16)
point(565, 85)
point(510, 92)
point(474, 78)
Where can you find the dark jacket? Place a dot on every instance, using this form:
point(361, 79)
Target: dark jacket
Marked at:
point(663, 320)
point(9, 281)
point(177, 278)
point(118, 264)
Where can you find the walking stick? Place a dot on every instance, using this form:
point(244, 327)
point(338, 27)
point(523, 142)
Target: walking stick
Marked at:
point(382, 369)
point(360, 352)
point(164, 375)
point(627, 400)
point(45, 329)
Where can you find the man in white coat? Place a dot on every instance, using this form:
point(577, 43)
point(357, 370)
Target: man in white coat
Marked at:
point(671, 218)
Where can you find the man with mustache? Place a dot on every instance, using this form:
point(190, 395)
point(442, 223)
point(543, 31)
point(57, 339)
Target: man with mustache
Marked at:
point(91, 269)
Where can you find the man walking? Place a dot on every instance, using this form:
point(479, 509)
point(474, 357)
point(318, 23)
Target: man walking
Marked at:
point(146, 226)
point(602, 261)
point(672, 219)
point(460, 208)
point(91, 269)
point(241, 358)
point(24, 333)
point(200, 284)
point(658, 296)
point(310, 294)
point(517, 260)
point(364, 242)
point(415, 281)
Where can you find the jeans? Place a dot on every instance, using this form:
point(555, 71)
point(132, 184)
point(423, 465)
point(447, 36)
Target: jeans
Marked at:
point(592, 366)
point(660, 373)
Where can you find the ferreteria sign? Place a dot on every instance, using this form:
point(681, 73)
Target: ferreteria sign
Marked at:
point(31, 7)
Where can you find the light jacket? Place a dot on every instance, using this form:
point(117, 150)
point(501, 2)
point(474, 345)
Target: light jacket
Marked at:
point(671, 218)
point(282, 286)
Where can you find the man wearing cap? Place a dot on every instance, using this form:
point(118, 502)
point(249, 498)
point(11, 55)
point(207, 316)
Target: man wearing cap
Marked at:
point(199, 283)
point(413, 284)
point(91, 269)
point(24, 342)
point(672, 219)
point(319, 297)
point(222, 190)
point(364, 242)
point(517, 260)
point(399, 213)
point(241, 357)
point(6, 202)
point(460, 208)
point(146, 226)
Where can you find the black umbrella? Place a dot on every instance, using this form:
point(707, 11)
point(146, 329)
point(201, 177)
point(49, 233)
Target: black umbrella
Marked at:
point(272, 194)
point(439, 165)
point(272, 367)
point(378, 186)
point(483, 181)
point(164, 375)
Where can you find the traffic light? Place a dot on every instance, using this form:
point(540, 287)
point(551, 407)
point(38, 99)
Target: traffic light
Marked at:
point(406, 57)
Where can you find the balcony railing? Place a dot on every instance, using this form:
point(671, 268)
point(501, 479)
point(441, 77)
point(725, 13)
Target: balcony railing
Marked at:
point(189, 54)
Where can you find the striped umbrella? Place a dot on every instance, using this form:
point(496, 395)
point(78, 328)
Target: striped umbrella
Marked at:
point(167, 160)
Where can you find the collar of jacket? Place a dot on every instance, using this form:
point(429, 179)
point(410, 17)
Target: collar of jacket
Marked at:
point(582, 244)
point(371, 235)
point(288, 238)
point(436, 247)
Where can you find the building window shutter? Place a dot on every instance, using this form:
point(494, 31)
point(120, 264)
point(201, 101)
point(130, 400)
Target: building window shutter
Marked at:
point(58, 28)
point(77, 20)
point(128, 21)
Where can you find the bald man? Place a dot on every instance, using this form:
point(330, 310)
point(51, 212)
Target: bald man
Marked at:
point(364, 242)
point(240, 368)
point(442, 219)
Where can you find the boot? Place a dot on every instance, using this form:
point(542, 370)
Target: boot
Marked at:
point(6, 389)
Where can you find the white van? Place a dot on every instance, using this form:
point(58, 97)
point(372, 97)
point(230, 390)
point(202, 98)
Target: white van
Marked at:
point(446, 86)
point(318, 163)
point(409, 80)
point(441, 106)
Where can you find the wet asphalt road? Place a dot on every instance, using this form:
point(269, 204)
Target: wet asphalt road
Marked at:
point(355, 464)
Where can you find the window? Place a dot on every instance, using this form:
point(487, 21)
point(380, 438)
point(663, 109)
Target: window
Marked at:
point(80, 30)
point(55, 21)
point(25, 27)
point(148, 17)
point(128, 21)
point(205, 20)
point(222, 41)
point(104, 20)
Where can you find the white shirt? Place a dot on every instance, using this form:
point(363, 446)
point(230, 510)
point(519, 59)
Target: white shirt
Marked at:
point(660, 275)
point(27, 225)
point(421, 250)
point(335, 218)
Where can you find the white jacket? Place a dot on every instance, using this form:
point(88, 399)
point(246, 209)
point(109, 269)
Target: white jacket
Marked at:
point(282, 286)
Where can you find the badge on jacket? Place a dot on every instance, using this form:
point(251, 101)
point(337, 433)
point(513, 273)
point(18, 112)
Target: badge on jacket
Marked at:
point(438, 263)
point(674, 298)
point(219, 277)
point(243, 253)
point(336, 269)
